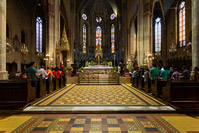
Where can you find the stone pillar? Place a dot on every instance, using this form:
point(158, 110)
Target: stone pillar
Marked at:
point(140, 36)
point(3, 72)
point(195, 33)
point(125, 30)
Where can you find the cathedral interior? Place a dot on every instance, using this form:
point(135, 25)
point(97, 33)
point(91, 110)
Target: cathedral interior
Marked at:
point(113, 66)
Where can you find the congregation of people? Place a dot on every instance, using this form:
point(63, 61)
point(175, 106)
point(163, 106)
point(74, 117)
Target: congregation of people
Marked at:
point(35, 74)
point(162, 73)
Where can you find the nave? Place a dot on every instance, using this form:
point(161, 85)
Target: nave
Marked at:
point(98, 109)
point(93, 98)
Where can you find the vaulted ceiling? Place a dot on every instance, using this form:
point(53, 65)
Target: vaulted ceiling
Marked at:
point(86, 5)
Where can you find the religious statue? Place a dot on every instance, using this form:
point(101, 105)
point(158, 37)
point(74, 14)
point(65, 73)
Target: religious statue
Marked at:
point(99, 53)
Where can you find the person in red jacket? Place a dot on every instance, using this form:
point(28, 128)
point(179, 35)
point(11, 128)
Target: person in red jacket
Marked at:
point(58, 73)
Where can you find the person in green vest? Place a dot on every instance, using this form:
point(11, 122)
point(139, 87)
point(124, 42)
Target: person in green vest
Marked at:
point(32, 73)
point(164, 73)
point(153, 72)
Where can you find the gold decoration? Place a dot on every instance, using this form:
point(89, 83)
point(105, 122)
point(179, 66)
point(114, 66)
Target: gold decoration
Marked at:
point(64, 46)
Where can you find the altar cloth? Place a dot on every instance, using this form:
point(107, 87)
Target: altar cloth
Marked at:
point(99, 67)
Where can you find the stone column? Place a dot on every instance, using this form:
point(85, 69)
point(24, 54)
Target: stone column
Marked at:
point(195, 33)
point(125, 30)
point(3, 72)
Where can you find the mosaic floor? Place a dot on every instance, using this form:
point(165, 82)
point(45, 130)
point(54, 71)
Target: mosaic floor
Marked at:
point(98, 98)
point(100, 123)
point(98, 95)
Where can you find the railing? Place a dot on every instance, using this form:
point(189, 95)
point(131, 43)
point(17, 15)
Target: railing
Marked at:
point(101, 76)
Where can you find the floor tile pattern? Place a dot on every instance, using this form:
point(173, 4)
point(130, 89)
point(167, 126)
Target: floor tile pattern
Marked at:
point(119, 95)
point(80, 123)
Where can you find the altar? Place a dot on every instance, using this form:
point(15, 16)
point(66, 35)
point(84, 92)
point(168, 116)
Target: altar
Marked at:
point(98, 74)
point(99, 69)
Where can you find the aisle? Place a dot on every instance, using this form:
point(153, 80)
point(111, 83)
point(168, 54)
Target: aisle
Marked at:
point(99, 98)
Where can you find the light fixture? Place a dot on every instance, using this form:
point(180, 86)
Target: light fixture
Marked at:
point(24, 50)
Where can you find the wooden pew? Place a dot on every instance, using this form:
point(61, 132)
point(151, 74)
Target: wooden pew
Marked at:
point(49, 84)
point(136, 80)
point(16, 93)
point(41, 87)
point(56, 82)
point(64, 79)
point(183, 93)
point(61, 85)
point(147, 85)
point(157, 86)
point(140, 81)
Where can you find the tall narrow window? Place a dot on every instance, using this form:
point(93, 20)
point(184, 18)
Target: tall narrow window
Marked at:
point(23, 37)
point(113, 39)
point(84, 39)
point(39, 33)
point(182, 29)
point(99, 38)
point(158, 34)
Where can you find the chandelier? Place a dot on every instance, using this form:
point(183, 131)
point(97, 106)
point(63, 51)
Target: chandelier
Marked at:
point(24, 50)
point(172, 49)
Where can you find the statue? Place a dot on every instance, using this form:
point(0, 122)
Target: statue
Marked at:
point(99, 53)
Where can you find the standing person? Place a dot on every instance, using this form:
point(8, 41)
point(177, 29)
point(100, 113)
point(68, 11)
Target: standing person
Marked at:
point(58, 73)
point(44, 74)
point(164, 73)
point(32, 72)
point(185, 73)
point(133, 76)
point(146, 74)
point(48, 71)
point(176, 74)
point(153, 72)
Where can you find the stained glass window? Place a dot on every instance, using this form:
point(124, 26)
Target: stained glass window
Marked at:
point(113, 39)
point(99, 38)
point(158, 34)
point(84, 16)
point(112, 16)
point(84, 39)
point(182, 24)
point(39, 33)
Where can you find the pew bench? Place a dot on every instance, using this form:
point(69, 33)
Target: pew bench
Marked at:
point(158, 86)
point(182, 93)
point(15, 94)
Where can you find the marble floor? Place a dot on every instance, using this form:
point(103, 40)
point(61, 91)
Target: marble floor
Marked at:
point(100, 123)
point(99, 98)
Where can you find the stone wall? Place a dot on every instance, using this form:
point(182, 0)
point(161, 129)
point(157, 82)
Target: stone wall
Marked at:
point(182, 56)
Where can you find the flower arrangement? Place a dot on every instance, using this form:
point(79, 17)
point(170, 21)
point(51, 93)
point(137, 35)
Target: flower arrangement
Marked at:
point(67, 69)
point(82, 68)
point(130, 68)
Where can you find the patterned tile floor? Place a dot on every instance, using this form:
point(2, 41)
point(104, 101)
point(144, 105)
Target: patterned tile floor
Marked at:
point(97, 123)
point(119, 95)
